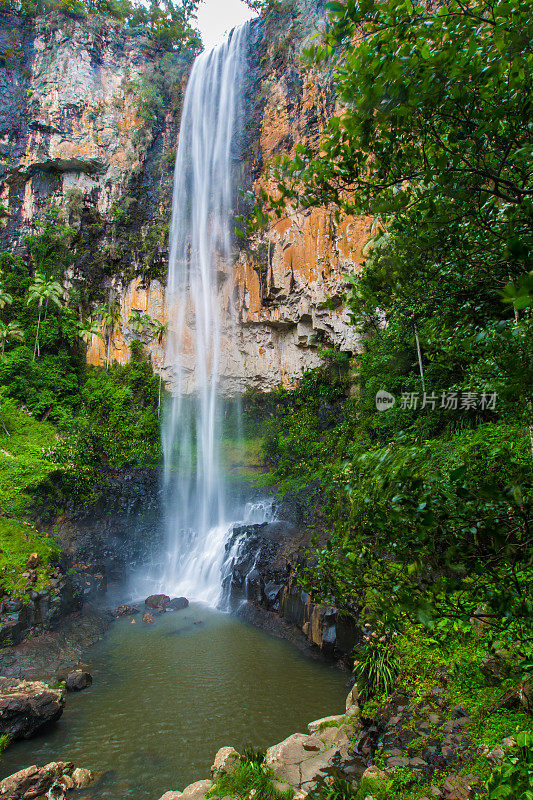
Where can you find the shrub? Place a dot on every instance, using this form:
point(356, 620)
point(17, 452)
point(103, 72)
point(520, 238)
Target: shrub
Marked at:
point(377, 668)
point(514, 778)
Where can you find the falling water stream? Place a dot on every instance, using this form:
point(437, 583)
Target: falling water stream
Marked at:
point(200, 256)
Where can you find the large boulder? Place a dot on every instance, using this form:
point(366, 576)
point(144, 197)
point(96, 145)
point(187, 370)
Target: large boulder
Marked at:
point(300, 760)
point(78, 680)
point(34, 782)
point(157, 601)
point(197, 790)
point(177, 604)
point(226, 761)
point(27, 706)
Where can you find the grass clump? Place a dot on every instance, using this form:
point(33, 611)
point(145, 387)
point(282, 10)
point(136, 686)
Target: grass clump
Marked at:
point(250, 779)
point(17, 542)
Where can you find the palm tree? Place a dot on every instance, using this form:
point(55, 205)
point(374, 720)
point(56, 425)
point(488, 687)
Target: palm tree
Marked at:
point(139, 321)
point(5, 298)
point(10, 333)
point(43, 290)
point(159, 331)
point(110, 316)
point(87, 328)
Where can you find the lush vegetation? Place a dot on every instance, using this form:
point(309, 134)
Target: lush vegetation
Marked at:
point(250, 778)
point(430, 502)
point(63, 425)
point(170, 24)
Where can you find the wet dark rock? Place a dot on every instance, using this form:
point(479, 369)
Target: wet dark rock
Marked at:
point(494, 668)
point(157, 601)
point(118, 532)
point(78, 680)
point(43, 611)
point(11, 630)
point(12, 606)
point(126, 611)
point(28, 706)
point(52, 655)
point(177, 604)
point(261, 561)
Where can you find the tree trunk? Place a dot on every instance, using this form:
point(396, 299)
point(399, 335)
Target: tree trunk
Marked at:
point(420, 359)
point(36, 349)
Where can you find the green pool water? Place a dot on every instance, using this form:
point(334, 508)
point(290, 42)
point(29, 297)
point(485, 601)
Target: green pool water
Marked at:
point(165, 697)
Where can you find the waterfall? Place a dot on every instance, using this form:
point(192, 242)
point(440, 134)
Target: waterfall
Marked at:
point(200, 255)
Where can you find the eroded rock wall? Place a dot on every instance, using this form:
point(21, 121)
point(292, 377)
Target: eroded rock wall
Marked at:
point(90, 115)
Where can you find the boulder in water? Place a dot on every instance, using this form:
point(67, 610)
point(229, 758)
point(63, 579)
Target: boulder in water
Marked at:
point(126, 611)
point(177, 603)
point(157, 601)
point(148, 619)
point(27, 706)
point(35, 781)
point(78, 680)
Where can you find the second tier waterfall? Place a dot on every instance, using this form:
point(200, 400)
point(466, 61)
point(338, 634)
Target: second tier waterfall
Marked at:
point(200, 256)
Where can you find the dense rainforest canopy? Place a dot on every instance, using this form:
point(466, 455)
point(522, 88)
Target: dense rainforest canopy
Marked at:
point(170, 24)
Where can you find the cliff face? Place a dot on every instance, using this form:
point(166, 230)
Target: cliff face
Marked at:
point(89, 120)
point(89, 115)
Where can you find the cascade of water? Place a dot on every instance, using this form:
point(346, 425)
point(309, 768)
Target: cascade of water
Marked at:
point(200, 250)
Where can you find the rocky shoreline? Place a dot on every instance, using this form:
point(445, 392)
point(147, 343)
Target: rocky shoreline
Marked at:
point(426, 738)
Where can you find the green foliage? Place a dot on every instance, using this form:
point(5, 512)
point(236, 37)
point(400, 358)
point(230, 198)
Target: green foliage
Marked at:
point(4, 742)
point(148, 103)
point(514, 778)
point(119, 423)
point(249, 776)
point(376, 667)
point(435, 101)
point(23, 458)
point(428, 510)
point(168, 23)
point(253, 755)
point(335, 788)
point(17, 542)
